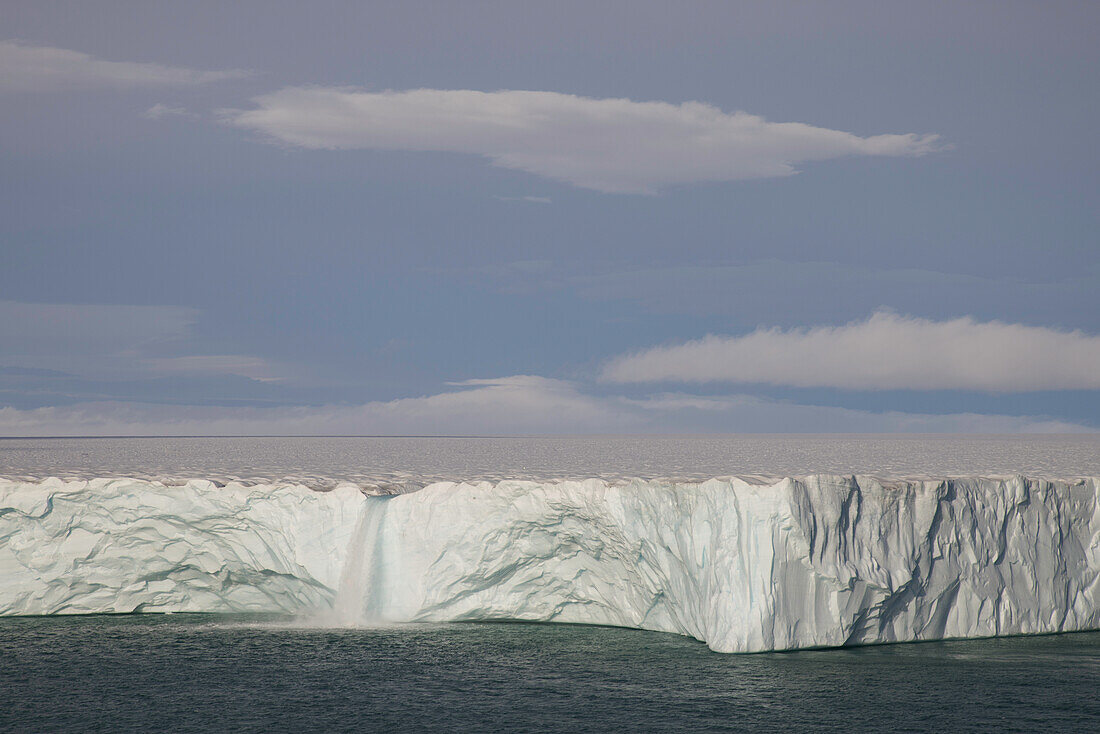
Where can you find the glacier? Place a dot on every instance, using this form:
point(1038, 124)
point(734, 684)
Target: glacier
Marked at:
point(744, 566)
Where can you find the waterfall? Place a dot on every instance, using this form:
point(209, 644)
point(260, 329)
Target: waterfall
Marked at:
point(359, 598)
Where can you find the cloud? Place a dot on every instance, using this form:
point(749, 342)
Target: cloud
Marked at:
point(885, 352)
point(242, 365)
point(521, 404)
point(159, 111)
point(28, 68)
point(611, 145)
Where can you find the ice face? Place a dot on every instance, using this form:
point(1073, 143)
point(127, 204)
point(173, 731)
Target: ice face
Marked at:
point(817, 561)
point(128, 545)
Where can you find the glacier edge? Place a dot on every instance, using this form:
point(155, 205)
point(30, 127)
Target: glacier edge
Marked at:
point(814, 561)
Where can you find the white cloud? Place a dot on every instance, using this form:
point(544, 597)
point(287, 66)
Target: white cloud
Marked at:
point(885, 352)
point(612, 145)
point(28, 68)
point(506, 406)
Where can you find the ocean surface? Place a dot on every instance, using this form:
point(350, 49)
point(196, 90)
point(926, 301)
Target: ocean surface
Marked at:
point(202, 673)
point(207, 672)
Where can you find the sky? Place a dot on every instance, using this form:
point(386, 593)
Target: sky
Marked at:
point(436, 218)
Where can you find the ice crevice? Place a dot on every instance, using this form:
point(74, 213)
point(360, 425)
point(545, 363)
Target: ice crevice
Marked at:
point(813, 561)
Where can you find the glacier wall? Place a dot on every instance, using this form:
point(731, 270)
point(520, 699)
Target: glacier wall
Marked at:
point(815, 561)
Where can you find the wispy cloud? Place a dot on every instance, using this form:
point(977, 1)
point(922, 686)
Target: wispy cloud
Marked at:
point(160, 110)
point(81, 329)
point(114, 341)
point(521, 404)
point(885, 352)
point(517, 404)
point(28, 68)
point(241, 365)
point(611, 145)
point(528, 199)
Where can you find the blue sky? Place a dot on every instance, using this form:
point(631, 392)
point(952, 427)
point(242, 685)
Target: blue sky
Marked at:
point(443, 218)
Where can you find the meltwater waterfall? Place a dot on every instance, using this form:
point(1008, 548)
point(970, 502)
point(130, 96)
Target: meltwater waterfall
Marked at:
point(812, 561)
point(360, 597)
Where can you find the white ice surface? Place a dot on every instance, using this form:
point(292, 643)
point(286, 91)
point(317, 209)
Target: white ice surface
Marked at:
point(817, 561)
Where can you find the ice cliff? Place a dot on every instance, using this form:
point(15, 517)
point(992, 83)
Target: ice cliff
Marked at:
point(816, 561)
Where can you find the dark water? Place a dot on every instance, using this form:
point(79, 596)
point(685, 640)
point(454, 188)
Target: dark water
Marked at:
point(203, 673)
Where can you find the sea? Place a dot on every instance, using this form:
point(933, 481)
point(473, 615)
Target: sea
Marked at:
point(269, 673)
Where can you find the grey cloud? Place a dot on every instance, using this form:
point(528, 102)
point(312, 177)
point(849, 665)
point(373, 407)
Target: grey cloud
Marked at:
point(521, 404)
